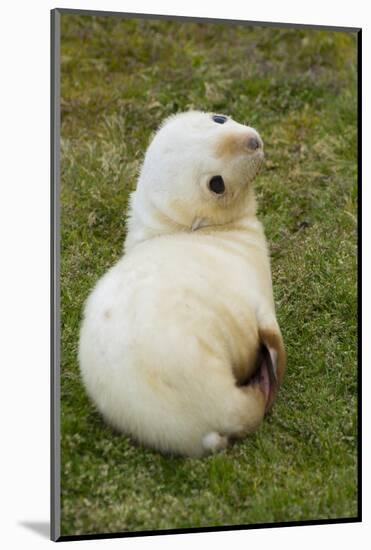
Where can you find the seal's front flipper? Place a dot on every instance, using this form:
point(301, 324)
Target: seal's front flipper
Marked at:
point(269, 369)
point(273, 363)
point(266, 375)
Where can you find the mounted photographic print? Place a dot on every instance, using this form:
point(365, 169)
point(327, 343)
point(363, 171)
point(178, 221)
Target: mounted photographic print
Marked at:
point(204, 275)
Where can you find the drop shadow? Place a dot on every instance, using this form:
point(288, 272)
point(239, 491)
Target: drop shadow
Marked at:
point(42, 528)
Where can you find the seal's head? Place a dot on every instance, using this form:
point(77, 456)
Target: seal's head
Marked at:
point(197, 171)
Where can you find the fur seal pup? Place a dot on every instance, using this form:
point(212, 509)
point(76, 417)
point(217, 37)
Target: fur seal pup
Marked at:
point(179, 344)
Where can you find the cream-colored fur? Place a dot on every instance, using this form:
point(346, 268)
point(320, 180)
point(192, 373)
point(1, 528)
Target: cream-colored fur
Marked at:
point(177, 322)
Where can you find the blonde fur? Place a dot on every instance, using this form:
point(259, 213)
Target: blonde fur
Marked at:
point(171, 330)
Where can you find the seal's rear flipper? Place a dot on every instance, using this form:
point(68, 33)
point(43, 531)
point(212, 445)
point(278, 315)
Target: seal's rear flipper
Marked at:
point(213, 441)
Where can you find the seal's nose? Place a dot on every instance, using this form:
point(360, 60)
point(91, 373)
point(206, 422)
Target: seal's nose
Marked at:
point(253, 143)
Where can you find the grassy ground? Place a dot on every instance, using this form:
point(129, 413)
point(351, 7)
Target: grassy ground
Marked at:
point(298, 88)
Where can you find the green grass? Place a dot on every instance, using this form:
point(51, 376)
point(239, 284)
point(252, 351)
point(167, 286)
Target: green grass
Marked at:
point(120, 78)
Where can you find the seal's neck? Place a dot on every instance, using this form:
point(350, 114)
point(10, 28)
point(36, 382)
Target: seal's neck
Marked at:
point(146, 220)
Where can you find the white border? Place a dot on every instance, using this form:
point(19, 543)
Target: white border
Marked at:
point(24, 230)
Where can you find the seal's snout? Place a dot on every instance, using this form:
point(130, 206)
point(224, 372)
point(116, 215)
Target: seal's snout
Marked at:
point(239, 143)
point(253, 143)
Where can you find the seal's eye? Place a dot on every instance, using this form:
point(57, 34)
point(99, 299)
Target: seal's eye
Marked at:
point(220, 119)
point(216, 185)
